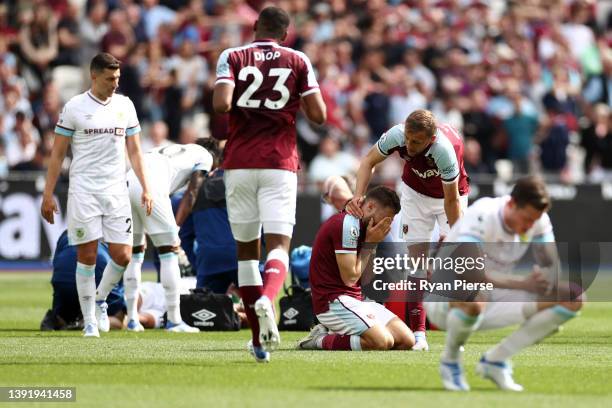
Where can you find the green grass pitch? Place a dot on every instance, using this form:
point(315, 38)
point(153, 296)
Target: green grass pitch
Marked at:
point(158, 369)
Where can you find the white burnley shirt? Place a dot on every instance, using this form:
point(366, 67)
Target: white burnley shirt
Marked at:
point(98, 131)
point(171, 166)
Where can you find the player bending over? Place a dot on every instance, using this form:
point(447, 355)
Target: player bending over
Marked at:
point(348, 322)
point(518, 218)
point(171, 167)
point(434, 187)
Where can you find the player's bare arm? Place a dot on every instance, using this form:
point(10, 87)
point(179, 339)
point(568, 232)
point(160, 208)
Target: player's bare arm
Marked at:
point(222, 97)
point(189, 198)
point(452, 205)
point(535, 282)
point(548, 265)
point(336, 192)
point(58, 153)
point(135, 155)
point(348, 266)
point(314, 108)
point(364, 174)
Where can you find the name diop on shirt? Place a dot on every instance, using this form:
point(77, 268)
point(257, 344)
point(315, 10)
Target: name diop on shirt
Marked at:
point(101, 131)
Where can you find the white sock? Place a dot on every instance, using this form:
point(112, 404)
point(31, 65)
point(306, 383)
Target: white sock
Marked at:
point(248, 273)
point(355, 343)
point(170, 274)
point(420, 335)
point(110, 277)
point(86, 288)
point(459, 327)
point(279, 254)
point(536, 328)
point(131, 282)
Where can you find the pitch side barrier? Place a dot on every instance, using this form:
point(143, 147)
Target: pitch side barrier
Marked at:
point(579, 214)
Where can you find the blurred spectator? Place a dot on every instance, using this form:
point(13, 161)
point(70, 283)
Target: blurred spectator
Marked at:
point(561, 98)
point(555, 138)
point(156, 137)
point(38, 40)
point(360, 142)
point(155, 15)
point(599, 87)
point(8, 31)
point(597, 141)
point(68, 34)
point(405, 97)
point(4, 166)
point(93, 28)
point(426, 81)
point(130, 83)
point(520, 128)
point(478, 124)
point(472, 158)
point(172, 106)
point(47, 114)
point(446, 111)
point(154, 78)
point(8, 60)
point(191, 70)
point(22, 146)
point(331, 161)
point(14, 103)
point(137, 22)
point(119, 39)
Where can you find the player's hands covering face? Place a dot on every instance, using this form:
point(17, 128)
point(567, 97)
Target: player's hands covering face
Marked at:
point(377, 232)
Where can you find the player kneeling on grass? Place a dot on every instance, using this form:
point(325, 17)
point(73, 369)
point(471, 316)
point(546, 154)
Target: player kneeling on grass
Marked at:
point(520, 219)
point(348, 322)
point(65, 313)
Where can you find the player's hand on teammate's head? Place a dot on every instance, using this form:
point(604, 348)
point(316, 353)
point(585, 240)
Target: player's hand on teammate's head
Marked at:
point(377, 232)
point(147, 202)
point(48, 207)
point(353, 207)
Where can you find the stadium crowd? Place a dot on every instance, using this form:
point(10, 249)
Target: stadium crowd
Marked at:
point(529, 81)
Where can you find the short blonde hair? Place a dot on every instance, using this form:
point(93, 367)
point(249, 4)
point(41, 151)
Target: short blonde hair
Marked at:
point(421, 121)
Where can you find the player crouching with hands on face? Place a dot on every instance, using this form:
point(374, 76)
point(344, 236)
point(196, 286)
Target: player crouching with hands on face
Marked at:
point(348, 322)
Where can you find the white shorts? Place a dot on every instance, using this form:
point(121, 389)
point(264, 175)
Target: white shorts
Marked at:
point(94, 216)
point(502, 310)
point(160, 226)
point(420, 214)
point(260, 196)
point(349, 316)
